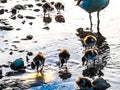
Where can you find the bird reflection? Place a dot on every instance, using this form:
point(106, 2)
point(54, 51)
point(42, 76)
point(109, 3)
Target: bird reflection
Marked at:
point(39, 80)
point(103, 53)
point(65, 74)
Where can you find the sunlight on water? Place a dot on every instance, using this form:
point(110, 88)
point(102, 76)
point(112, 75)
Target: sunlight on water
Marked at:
point(44, 77)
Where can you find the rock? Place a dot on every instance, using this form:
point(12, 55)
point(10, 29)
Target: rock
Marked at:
point(47, 28)
point(7, 28)
point(1, 11)
point(16, 42)
point(29, 5)
point(39, 4)
point(13, 17)
point(36, 10)
point(20, 16)
point(29, 53)
point(18, 29)
point(19, 7)
point(21, 51)
point(29, 17)
point(11, 53)
point(31, 23)
point(13, 11)
point(60, 18)
point(29, 37)
point(3, 1)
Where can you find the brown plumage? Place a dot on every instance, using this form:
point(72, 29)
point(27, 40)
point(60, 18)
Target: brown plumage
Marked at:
point(38, 61)
point(64, 56)
point(59, 6)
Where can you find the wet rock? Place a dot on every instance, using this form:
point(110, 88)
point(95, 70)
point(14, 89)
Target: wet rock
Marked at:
point(1, 11)
point(13, 11)
point(16, 42)
point(20, 16)
point(11, 53)
point(7, 28)
point(4, 21)
point(36, 10)
point(19, 7)
point(14, 73)
point(3, 1)
point(21, 51)
point(23, 22)
point(13, 17)
point(29, 17)
point(39, 4)
point(60, 18)
point(5, 41)
point(1, 74)
point(29, 37)
point(29, 53)
point(18, 29)
point(29, 5)
point(47, 28)
point(31, 23)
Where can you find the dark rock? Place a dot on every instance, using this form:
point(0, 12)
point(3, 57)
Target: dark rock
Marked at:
point(7, 28)
point(14, 11)
point(29, 37)
point(20, 16)
point(13, 73)
point(29, 53)
point(19, 7)
point(29, 5)
point(5, 41)
point(39, 4)
point(16, 42)
point(1, 11)
point(11, 53)
point(18, 29)
point(21, 51)
point(23, 22)
point(4, 65)
point(3, 1)
point(47, 28)
point(13, 17)
point(36, 10)
point(29, 17)
point(31, 23)
point(59, 18)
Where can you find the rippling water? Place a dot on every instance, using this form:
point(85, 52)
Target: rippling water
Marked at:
point(60, 35)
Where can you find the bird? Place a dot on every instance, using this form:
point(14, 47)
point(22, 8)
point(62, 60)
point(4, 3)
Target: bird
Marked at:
point(89, 41)
point(38, 62)
point(64, 56)
point(91, 6)
point(84, 83)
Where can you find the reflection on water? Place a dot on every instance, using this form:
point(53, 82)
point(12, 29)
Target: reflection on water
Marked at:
point(65, 74)
point(103, 51)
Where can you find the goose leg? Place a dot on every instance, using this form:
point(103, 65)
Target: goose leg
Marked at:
point(98, 23)
point(90, 17)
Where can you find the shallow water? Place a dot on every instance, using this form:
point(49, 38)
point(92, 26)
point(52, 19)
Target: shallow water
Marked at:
point(60, 35)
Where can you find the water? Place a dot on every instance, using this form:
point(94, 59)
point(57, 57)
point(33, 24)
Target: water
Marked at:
point(60, 35)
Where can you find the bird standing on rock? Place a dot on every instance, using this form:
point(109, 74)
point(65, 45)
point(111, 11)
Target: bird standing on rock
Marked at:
point(93, 6)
